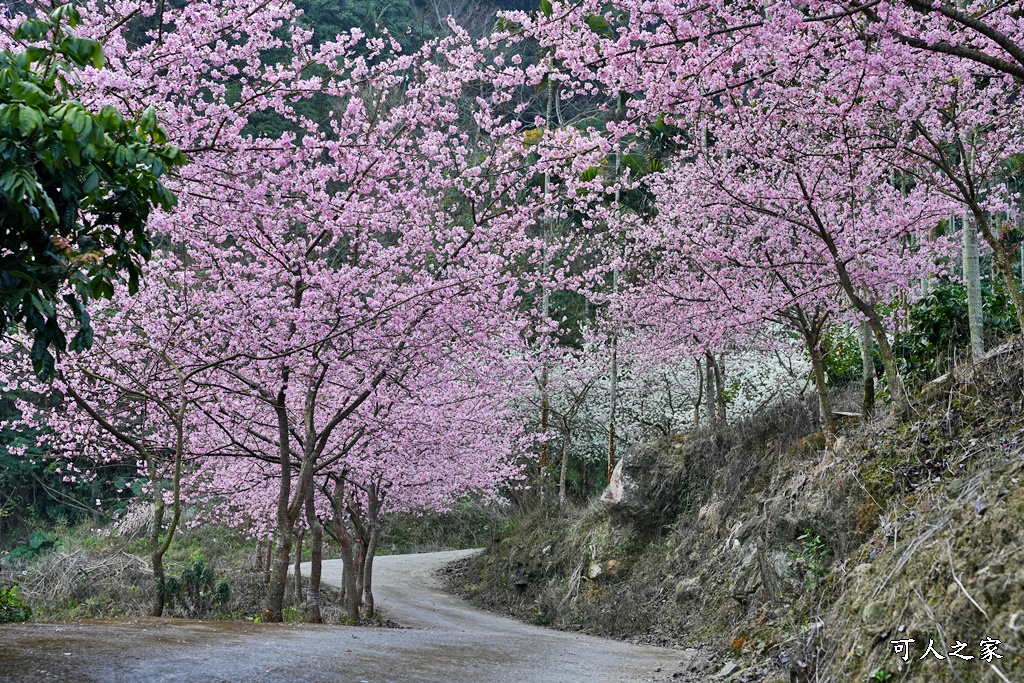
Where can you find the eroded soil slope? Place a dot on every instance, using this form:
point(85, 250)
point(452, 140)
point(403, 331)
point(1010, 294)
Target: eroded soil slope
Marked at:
point(790, 561)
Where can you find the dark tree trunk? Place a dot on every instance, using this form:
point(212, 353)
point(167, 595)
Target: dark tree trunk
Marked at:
point(867, 370)
point(297, 569)
point(274, 608)
point(345, 539)
point(824, 404)
point(316, 538)
point(156, 558)
point(274, 611)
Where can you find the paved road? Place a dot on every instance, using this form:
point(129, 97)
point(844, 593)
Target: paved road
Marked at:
point(447, 642)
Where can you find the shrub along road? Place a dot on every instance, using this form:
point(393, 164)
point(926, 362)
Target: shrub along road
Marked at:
point(446, 641)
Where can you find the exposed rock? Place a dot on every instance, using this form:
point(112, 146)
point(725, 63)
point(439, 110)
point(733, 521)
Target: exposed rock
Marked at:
point(875, 616)
point(687, 589)
point(518, 576)
point(594, 570)
point(729, 669)
point(641, 483)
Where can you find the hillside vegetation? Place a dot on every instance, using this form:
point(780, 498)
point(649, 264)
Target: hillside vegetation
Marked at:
point(784, 560)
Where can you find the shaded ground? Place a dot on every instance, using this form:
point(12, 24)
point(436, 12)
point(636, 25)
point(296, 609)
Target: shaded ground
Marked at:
point(447, 642)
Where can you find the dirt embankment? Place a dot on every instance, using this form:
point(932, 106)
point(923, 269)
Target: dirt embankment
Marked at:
point(788, 561)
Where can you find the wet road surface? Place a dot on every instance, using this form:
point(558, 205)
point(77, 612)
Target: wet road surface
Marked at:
point(446, 641)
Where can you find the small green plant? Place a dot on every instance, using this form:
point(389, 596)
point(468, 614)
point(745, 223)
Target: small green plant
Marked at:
point(810, 556)
point(540, 618)
point(197, 590)
point(11, 606)
point(878, 675)
point(38, 543)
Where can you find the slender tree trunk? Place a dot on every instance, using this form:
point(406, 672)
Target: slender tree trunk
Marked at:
point(586, 476)
point(545, 420)
point(824, 402)
point(716, 389)
point(867, 366)
point(709, 389)
point(613, 398)
point(565, 464)
point(371, 551)
point(360, 556)
point(156, 557)
point(719, 388)
point(157, 546)
point(892, 376)
point(700, 395)
point(972, 277)
point(297, 569)
point(614, 388)
point(1003, 263)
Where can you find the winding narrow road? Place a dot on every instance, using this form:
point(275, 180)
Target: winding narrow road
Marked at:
point(444, 641)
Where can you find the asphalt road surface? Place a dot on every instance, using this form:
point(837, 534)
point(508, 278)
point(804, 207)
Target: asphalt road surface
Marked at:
point(444, 640)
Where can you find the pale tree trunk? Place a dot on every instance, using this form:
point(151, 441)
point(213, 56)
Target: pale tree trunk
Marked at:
point(614, 370)
point(867, 365)
point(972, 277)
point(1002, 262)
point(700, 395)
point(371, 551)
point(613, 397)
point(709, 389)
point(566, 435)
point(360, 555)
point(716, 389)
